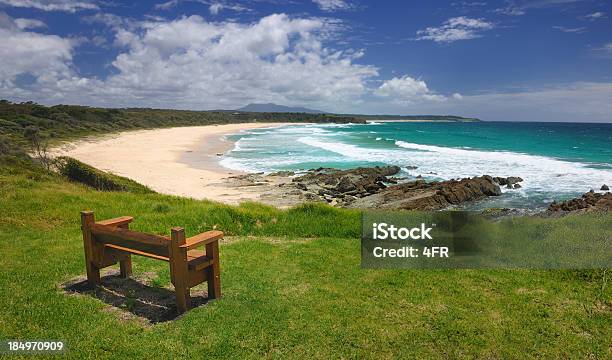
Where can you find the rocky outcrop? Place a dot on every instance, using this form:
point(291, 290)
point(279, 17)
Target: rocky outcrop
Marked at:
point(588, 202)
point(421, 195)
point(371, 187)
point(343, 186)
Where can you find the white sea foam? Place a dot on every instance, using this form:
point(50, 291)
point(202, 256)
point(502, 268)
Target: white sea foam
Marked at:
point(295, 145)
point(540, 173)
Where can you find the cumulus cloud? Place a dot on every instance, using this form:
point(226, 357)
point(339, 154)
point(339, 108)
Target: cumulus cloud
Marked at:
point(332, 5)
point(454, 29)
point(407, 90)
point(45, 57)
point(52, 5)
point(276, 59)
point(192, 63)
point(574, 102)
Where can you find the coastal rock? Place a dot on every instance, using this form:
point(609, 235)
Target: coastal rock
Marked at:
point(511, 180)
point(420, 195)
point(604, 187)
point(333, 185)
point(282, 173)
point(588, 202)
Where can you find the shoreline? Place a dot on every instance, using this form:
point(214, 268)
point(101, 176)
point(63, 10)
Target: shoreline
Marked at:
point(179, 161)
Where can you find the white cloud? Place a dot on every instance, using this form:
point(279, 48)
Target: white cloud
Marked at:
point(192, 63)
point(407, 90)
point(577, 30)
point(29, 24)
point(333, 5)
point(214, 7)
point(454, 29)
point(46, 57)
point(603, 51)
point(52, 5)
point(573, 102)
point(596, 15)
point(520, 7)
point(167, 5)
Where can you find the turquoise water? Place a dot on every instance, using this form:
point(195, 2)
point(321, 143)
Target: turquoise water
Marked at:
point(556, 160)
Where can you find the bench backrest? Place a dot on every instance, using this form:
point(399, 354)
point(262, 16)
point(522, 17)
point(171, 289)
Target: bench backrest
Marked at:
point(147, 243)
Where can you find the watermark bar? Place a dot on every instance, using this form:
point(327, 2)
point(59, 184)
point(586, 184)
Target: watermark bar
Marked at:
point(8, 347)
point(458, 239)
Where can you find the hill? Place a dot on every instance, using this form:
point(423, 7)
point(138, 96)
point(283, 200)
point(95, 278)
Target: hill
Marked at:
point(270, 107)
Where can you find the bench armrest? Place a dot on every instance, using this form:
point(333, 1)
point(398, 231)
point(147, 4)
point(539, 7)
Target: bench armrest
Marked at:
point(123, 220)
point(204, 238)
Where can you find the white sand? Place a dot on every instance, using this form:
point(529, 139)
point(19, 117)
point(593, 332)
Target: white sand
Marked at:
point(156, 158)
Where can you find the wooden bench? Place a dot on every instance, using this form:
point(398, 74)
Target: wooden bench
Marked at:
point(110, 241)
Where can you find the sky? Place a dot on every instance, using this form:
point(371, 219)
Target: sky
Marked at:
point(506, 60)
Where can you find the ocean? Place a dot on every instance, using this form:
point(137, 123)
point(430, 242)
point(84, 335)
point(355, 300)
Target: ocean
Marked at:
point(556, 160)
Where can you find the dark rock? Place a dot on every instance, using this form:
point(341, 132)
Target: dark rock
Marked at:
point(301, 186)
point(517, 186)
point(420, 195)
point(604, 187)
point(346, 185)
point(282, 173)
point(588, 202)
point(511, 180)
point(410, 167)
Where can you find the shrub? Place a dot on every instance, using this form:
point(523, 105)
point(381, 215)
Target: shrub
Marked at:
point(100, 180)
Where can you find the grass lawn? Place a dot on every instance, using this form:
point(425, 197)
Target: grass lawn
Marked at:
point(292, 287)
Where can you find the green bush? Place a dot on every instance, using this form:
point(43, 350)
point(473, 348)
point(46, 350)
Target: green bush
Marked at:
point(85, 174)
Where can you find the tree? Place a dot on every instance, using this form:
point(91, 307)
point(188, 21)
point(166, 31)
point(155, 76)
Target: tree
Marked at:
point(39, 144)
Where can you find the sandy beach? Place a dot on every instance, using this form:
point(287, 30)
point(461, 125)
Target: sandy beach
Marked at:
point(181, 161)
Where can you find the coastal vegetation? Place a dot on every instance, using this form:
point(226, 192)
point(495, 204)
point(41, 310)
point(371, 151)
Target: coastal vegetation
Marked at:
point(292, 285)
point(60, 122)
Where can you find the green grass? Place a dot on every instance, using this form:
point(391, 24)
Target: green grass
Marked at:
point(292, 287)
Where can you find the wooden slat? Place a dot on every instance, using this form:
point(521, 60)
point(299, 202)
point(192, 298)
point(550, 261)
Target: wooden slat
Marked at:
point(137, 252)
point(109, 232)
point(197, 277)
point(202, 239)
point(122, 220)
point(197, 260)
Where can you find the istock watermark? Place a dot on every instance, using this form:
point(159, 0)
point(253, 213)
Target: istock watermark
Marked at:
point(458, 239)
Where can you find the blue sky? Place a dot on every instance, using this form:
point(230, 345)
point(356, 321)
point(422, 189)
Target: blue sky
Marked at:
point(541, 60)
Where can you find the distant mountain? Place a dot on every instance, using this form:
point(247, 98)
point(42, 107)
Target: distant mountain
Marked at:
point(277, 108)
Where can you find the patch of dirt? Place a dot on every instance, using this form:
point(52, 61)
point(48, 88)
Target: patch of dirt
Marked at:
point(133, 298)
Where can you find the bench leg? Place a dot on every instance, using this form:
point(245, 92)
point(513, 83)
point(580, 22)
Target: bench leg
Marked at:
point(213, 273)
point(93, 273)
point(125, 267)
point(178, 270)
point(183, 298)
